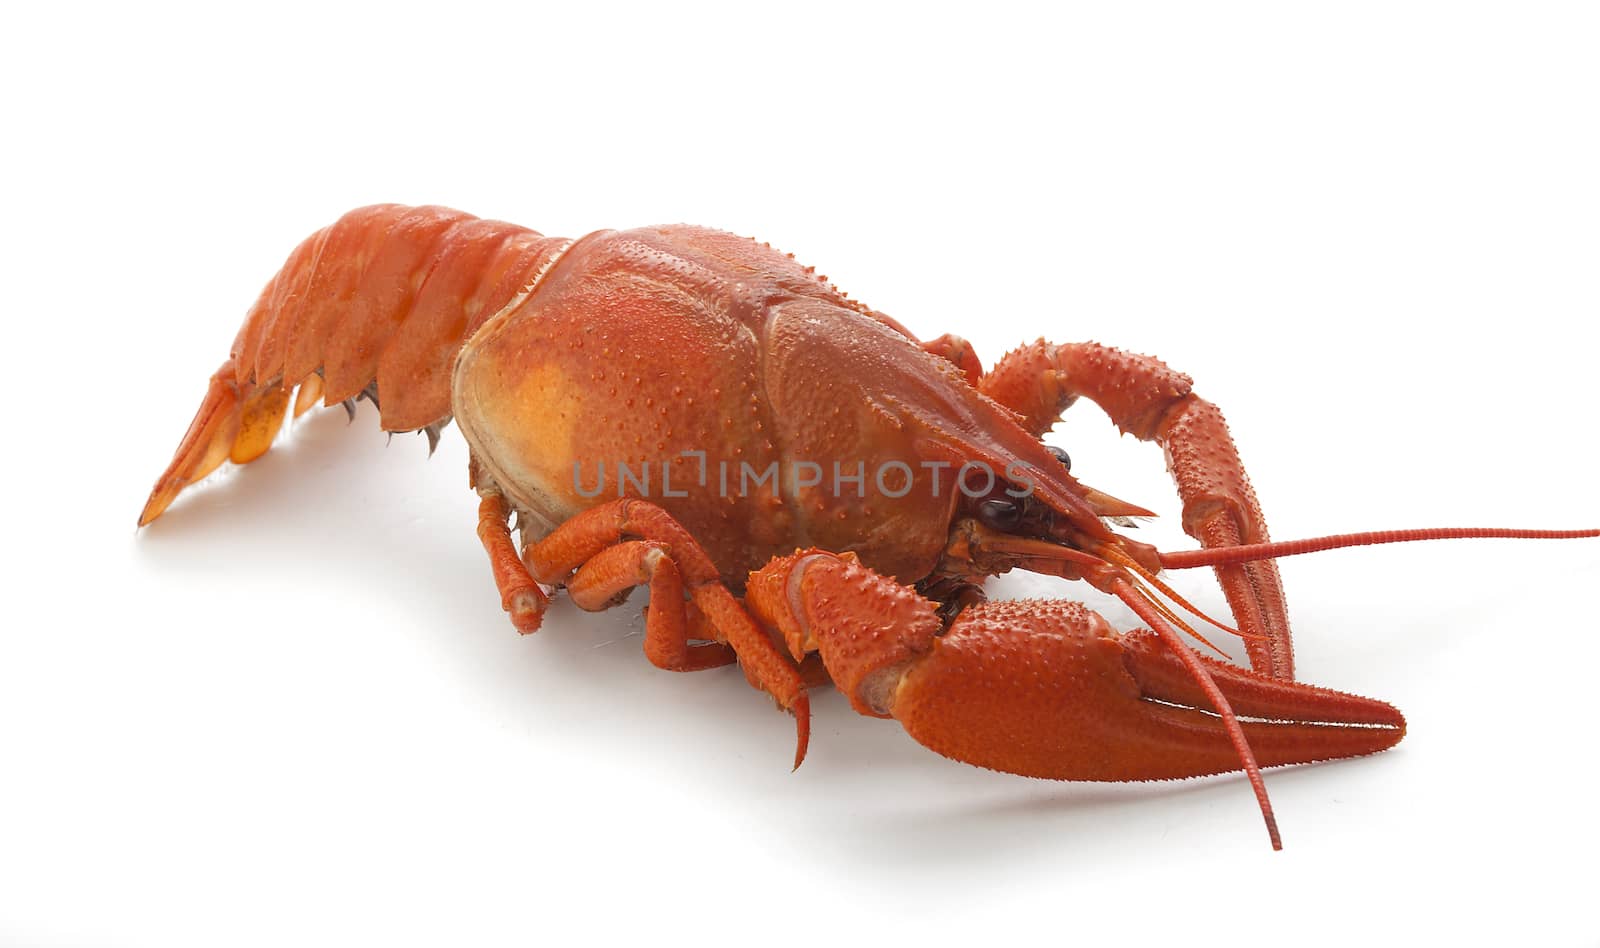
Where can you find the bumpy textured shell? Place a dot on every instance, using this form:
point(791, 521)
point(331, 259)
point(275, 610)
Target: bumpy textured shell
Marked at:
point(704, 354)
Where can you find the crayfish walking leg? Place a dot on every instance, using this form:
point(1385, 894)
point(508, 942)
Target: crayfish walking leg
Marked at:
point(605, 551)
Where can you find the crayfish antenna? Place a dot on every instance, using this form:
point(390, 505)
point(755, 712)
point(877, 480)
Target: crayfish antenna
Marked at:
point(1114, 555)
point(1251, 552)
point(1144, 609)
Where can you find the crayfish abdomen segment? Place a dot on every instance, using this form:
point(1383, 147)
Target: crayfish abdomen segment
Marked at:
point(388, 293)
point(381, 300)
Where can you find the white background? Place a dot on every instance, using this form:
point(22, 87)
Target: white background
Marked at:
point(292, 711)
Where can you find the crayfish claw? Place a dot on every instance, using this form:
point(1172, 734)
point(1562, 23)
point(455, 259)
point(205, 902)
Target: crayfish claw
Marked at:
point(1049, 689)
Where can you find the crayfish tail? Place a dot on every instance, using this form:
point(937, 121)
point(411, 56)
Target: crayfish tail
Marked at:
point(208, 442)
point(382, 300)
point(235, 423)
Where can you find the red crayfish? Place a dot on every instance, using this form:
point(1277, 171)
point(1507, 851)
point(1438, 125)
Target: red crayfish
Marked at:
point(807, 489)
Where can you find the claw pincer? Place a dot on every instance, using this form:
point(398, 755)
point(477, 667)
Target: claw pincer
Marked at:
point(1047, 688)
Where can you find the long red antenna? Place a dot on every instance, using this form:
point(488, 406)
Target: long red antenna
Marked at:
point(1268, 551)
point(1125, 591)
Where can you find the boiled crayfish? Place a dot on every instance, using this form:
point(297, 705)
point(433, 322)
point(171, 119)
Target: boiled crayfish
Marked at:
point(693, 411)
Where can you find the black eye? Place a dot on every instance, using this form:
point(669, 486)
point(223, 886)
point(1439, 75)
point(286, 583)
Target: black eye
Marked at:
point(1000, 514)
point(1061, 456)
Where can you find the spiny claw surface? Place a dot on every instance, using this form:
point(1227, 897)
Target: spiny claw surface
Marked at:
point(1049, 689)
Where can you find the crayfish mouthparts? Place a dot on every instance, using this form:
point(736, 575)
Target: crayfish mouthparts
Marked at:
point(976, 548)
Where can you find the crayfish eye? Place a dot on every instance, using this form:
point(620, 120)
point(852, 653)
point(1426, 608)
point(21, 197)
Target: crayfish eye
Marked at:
point(1061, 456)
point(998, 514)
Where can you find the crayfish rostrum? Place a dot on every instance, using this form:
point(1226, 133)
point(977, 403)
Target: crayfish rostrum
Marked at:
point(807, 489)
